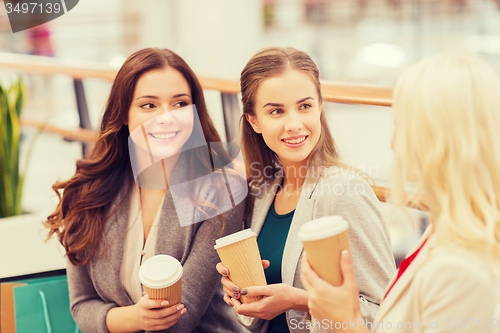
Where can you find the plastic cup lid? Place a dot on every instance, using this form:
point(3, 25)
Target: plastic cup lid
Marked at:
point(160, 271)
point(321, 228)
point(233, 238)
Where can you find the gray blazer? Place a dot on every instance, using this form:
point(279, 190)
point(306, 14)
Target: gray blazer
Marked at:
point(95, 288)
point(341, 192)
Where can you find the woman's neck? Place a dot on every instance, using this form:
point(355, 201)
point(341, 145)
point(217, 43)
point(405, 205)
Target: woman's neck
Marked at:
point(294, 175)
point(157, 175)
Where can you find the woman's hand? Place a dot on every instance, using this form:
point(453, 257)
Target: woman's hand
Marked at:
point(230, 289)
point(155, 315)
point(147, 314)
point(277, 298)
point(338, 304)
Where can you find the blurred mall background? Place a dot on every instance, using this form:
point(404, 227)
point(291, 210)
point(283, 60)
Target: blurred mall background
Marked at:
point(352, 41)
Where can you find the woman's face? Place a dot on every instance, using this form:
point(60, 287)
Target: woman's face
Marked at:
point(287, 114)
point(161, 113)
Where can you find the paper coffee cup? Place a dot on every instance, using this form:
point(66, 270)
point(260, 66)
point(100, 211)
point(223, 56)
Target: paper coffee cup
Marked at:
point(324, 239)
point(240, 254)
point(161, 276)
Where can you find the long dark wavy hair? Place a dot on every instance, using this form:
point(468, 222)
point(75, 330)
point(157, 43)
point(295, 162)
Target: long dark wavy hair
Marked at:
point(89, 194)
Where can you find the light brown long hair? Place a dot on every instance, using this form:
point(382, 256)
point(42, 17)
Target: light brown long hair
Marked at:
point(268, 63)
point(88, 195)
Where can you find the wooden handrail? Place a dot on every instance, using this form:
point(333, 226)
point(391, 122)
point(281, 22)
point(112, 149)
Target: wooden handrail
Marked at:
point(332, 91)
point(341, 92)
point(80, 134)
point(51, 66)
point(224, 86)
point(383, 194)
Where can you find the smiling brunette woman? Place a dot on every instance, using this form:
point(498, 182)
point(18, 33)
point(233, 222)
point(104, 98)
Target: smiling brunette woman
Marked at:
point(118, 209)
point(295, 175)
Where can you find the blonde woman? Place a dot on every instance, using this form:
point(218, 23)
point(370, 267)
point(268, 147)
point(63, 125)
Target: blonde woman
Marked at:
point(447, 144)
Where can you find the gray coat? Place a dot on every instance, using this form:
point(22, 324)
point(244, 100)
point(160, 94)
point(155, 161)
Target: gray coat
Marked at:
point(95, 288)
point(333, 192)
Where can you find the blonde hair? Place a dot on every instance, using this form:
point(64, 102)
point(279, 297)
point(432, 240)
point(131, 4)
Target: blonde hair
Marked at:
point(447, 142)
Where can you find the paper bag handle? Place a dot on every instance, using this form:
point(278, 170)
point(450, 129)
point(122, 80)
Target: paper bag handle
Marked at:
point(46, 314)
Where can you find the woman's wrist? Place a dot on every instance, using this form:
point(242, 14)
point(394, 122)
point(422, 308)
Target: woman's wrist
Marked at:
point(299, 299)
point(122, 319)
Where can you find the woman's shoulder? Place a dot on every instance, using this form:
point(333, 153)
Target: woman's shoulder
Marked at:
point(339, 181)
point(451, 283)
point(453, 264)
point(336, 174)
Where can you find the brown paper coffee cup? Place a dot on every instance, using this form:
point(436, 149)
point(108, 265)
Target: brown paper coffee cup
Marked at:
point(172, 294)
point(161, 276)
point(240, 254)
point(324, 240)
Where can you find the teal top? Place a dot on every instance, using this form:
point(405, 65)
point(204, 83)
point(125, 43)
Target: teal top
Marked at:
point(272, 239)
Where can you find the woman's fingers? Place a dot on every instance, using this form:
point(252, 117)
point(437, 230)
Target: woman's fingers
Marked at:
point(163, 313)
point(310, 277)
point(329, 302)
point(253, 309)
point(266, 263)
point(156, 315)
point(227, 291)
point(230, 288)
point(231, 293)
point(173, 318)
point(347, 270)
point(227, 299)
point(149, 304)
point(160, 313)
point(256, 291)
point(236, 303)
point(222, 269)
point(229, 284)
point(168, 321)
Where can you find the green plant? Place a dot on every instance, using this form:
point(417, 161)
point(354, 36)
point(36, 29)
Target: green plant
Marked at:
point(11, 180)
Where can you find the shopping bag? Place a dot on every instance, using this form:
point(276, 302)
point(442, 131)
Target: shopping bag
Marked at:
point(7, 317)
point(42, 306)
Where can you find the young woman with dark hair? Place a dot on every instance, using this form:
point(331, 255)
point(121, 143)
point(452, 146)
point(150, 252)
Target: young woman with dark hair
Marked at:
point(123, 204)
point(295, 175)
